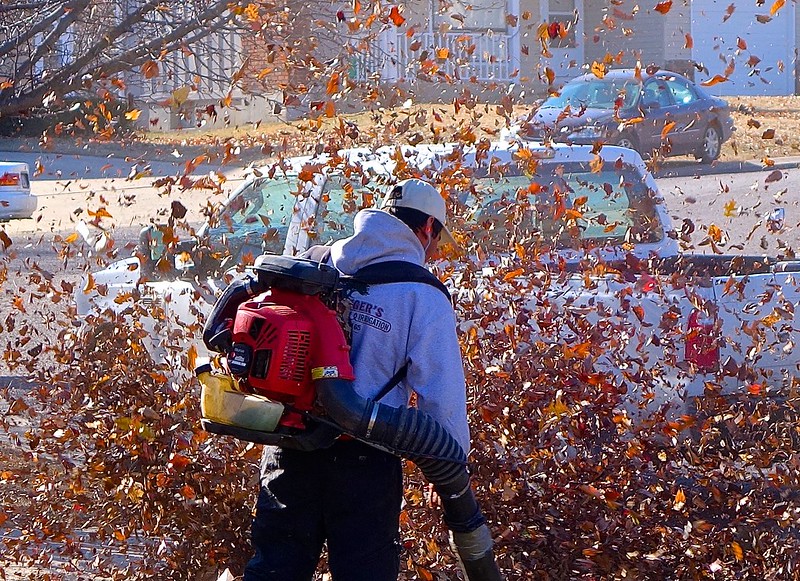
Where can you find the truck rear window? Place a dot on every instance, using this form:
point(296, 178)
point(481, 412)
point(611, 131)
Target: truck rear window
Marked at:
point(565, 204)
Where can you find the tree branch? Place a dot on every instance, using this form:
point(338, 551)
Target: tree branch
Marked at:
point(14, 42)
point(29, 6)
point(73, 10)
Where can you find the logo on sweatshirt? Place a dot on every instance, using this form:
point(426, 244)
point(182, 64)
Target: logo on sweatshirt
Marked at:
point(366, 313)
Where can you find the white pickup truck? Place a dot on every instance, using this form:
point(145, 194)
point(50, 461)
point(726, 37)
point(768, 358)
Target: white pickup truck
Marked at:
point(571, 248)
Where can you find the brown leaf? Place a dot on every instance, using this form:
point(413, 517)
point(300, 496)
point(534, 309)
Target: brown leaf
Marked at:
point(149, 69)
point(768, 134)
point(5, 240)
point(774, 176)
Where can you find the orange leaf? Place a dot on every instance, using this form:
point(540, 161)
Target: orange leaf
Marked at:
point(667, 128)
point(192, 357)
point(689, 41)
point(680, 499)
point(133, 115)
point(737, 551)
point(664, 7)
point(442, 53)
point(149, 69)
point(100, 213)
point(740, 42)
point(598, 69)
point(776, 6)
point(90, 285)
point(715, 80)
point(596, 164)
point(330, 109)
point(71, 238)
point(396, 17)
point(333, 84)
point(513, 274)
point(754, 389)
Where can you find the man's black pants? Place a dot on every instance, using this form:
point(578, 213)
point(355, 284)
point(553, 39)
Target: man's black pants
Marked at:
point(348, 495)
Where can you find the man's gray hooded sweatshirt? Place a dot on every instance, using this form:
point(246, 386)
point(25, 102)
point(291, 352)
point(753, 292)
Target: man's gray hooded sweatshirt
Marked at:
point(403, 322)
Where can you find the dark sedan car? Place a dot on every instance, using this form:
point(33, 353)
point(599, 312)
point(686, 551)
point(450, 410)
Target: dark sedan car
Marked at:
point(661, 111)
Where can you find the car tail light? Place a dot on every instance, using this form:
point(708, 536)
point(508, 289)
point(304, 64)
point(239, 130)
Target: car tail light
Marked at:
point(701, 347)
point(10, 179)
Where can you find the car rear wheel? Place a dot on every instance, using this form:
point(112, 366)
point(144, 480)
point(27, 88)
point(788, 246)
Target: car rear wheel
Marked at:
point(711, 146)
point(627, 139)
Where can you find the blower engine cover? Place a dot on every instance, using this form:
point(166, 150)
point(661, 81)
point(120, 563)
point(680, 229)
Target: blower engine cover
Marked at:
point(278, 338)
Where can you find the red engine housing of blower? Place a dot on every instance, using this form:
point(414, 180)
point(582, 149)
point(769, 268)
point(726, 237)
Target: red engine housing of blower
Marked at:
point(282, 341)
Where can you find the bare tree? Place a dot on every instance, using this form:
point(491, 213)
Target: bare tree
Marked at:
point(51, 48)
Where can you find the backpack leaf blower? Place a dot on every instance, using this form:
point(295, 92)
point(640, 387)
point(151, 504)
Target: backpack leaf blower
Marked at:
point(290, 384)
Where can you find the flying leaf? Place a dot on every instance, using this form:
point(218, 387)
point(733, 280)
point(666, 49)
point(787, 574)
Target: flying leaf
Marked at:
point(688, 41)
point(768, 134)
point(736, 547)
point(664, 7)
point(740, 42)
point(513, 274)
point(680, 499)
point(90, 285)
point(442, 53)
point(776, 6)
point(132, 115)
point(715, 233)
point(5, 240)
point(729, 12)
point(596, 164)
point(730, 209)
point(149, 69)
point(715, 80)
point(667, 128)
point(180, 95)
point(396, 17)
point(774, 176)
point(598, 69)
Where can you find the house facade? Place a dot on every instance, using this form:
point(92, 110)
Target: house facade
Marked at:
point(533, 42)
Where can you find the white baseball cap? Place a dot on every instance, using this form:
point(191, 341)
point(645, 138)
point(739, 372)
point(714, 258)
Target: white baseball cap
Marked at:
point(420, 195)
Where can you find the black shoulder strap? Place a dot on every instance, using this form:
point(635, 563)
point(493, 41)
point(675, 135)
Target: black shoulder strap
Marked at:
point(390, 385)
point(399, 271)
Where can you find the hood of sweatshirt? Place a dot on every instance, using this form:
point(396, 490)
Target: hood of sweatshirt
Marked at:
point(378, 237)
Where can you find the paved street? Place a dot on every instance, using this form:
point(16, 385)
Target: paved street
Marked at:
point(69, 187)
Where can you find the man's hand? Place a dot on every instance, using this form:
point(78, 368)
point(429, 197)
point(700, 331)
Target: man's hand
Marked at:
point(432, 497)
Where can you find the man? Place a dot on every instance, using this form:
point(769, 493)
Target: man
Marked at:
point(349, 495)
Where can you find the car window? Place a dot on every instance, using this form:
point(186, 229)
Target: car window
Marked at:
point(597, 94)
point(656, 93)
point(568, 204)
point(259, 215)
point(682, 93)
point(342, 198)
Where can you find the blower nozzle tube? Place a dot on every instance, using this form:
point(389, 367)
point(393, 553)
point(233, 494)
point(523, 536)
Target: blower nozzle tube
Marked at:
point(417, 436)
